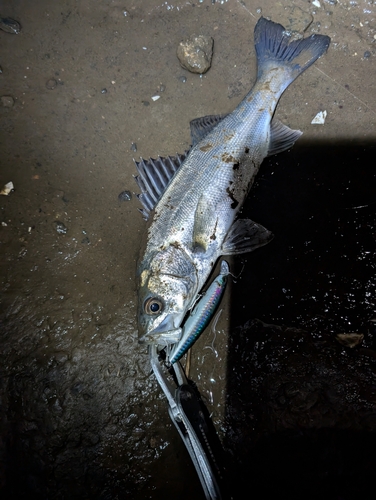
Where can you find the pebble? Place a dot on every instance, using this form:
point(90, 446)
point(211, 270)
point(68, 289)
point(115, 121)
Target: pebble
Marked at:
point(350, 339)
point(10, 25)
point(104, 91)
point(7, 188)
point(367, 54)
point(60, 227)
point(134, 146)
point(1, 70)
point(195, 53)
point(145, 103)
point(183, 79)
point(125, 196)
point(162, 88)
point(51, 84)
point(7, 101)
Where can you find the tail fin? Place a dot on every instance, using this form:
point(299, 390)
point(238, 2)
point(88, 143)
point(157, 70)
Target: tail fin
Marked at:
point(274, 47)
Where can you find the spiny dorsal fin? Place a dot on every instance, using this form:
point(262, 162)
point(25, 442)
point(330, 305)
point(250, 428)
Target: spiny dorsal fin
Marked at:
point(154, 175)
point(281, 137)
point(200, 127)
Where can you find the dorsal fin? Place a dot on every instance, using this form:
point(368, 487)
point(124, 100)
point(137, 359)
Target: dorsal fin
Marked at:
point(200, 127)
point(154, 175)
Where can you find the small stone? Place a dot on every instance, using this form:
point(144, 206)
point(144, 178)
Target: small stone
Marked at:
point(7, 101)
point(10, 25)
point(60, 227)
point(182, 79)
point(51, 84)
point(195, 53)
point(134, 146)
point(104, 91)
point(1, 70)
point(162, 88)
point(145, 103)
point(8, 188)
point(125, 196)
point(350, 339)
point(367, 54)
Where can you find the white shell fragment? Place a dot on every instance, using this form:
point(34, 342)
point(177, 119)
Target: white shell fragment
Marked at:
point(155, 97)
point(319, 119)
point(316, 3)
point(7, 188)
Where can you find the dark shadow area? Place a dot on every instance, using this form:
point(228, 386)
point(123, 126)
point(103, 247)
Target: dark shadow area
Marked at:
point(301, 407)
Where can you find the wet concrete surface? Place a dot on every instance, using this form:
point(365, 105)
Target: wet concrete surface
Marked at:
point(81, 414)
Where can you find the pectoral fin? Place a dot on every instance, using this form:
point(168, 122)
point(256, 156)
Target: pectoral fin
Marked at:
point(245, 236)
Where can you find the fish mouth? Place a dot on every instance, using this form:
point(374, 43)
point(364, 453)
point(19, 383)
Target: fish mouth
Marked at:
point(166, 333)
point(163, 338)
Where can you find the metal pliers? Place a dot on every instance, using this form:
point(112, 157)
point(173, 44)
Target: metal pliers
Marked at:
point(190, 417)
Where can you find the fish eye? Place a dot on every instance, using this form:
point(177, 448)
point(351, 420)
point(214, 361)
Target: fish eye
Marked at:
point(153, 306)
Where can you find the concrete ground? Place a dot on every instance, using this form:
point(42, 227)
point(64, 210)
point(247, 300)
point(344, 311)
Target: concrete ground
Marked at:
point(81, 414)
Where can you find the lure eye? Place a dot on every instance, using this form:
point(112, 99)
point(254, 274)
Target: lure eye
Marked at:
point(153, 306)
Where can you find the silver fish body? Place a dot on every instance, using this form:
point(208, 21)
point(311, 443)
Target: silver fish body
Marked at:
point(194, 211)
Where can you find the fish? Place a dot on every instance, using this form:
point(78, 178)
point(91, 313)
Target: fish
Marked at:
point(201, 314)
point(191, 201)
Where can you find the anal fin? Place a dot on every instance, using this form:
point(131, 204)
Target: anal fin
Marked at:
point(245, 236)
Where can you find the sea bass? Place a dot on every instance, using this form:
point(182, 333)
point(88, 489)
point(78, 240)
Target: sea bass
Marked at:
point(192, 200)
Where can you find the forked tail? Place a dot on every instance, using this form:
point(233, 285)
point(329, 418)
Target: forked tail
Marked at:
point(276, 49)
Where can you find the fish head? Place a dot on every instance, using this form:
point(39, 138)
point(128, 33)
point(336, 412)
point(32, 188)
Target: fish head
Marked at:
point(167, 290)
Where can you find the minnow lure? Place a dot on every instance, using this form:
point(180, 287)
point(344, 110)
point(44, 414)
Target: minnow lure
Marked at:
point(201, 314)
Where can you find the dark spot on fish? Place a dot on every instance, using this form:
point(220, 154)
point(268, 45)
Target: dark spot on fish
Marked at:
point(213, 236)
point(246, 151)
point(236, 166)
point(227, 158)
point(206, 148)
point(235, 202)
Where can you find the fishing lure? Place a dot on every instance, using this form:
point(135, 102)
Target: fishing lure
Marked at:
point(201, 314)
